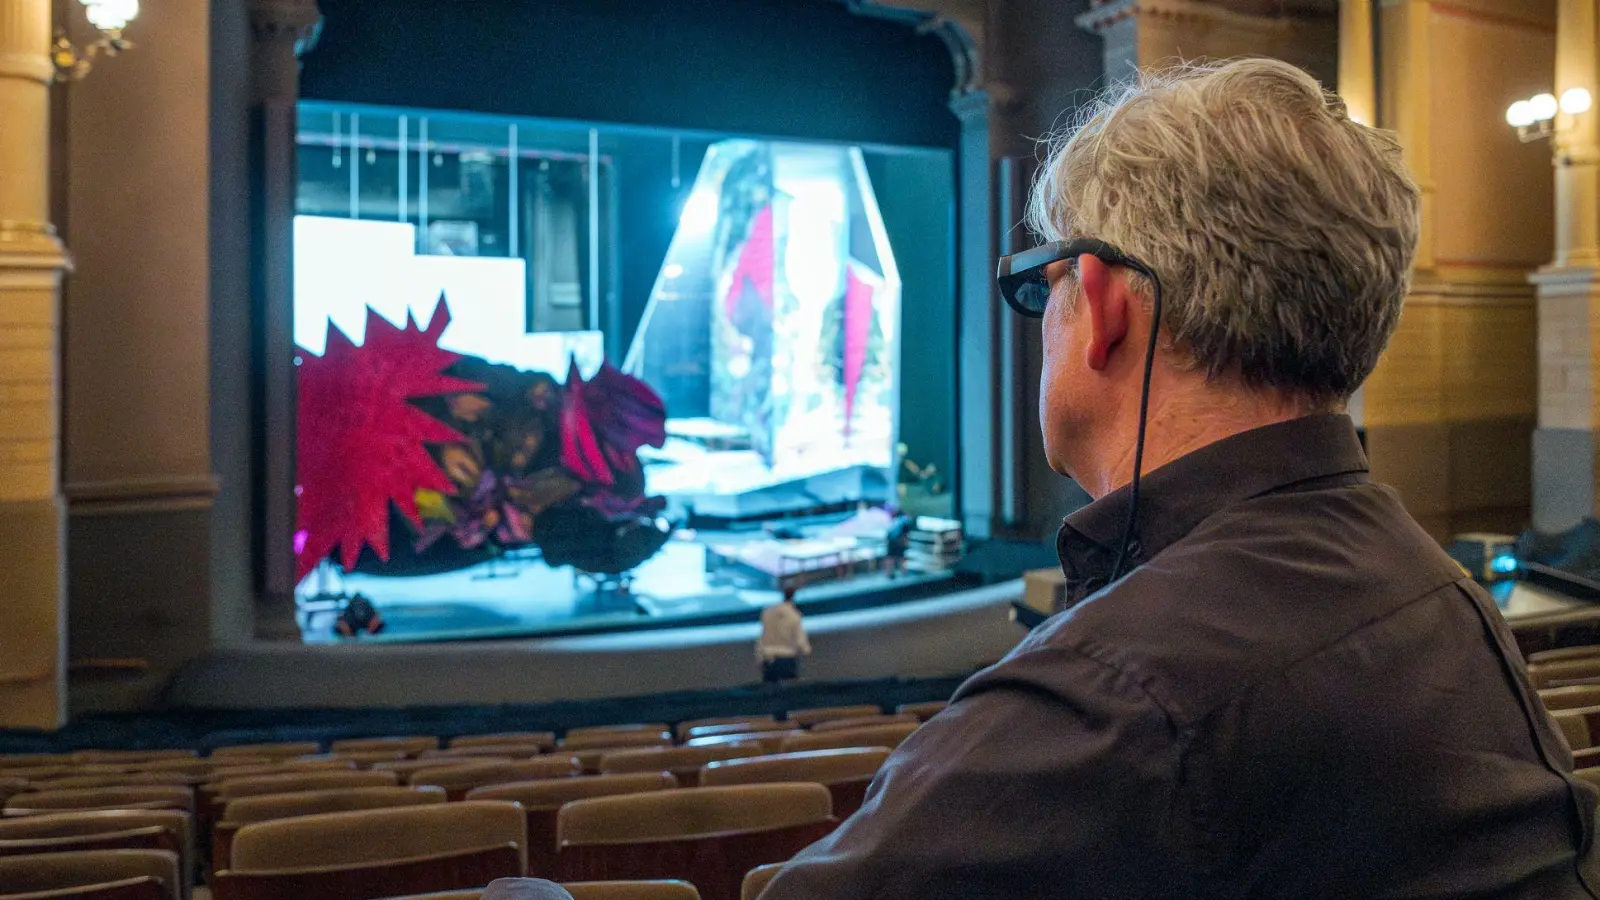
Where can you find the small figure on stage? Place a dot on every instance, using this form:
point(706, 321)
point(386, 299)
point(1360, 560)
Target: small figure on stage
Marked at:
point(783, 641)
point(359, 617)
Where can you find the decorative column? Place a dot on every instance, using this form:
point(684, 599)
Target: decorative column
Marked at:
point(283, 30)
point(33, 616)
point(1564, 457)
point(1357, 84)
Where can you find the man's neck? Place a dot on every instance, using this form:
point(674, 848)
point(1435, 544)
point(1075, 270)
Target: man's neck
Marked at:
point(1179, 424)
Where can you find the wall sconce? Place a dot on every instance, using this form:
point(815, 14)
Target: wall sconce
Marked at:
point(1535, 118)
point(108, 17)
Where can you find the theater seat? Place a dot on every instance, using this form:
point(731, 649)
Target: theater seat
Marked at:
point(629, 728)
point(756, 881)
point(411, 745)
point(199, 769)
point(545, 739)
point(758, 723)
point(683, 762)
point(923, 711)
point(806, 718)
point(700, 731)
point(138, 797)
point(124, 779)
point(769, 741)
point(296, 782)
point(506, 751)
point(98, 874)
point(864, 722)
point(1578, 725)
point(457, 780)
point(1574, 697)
point(357, 759)
point(270, 807)
point(130, 756)
point(845, 772)
point(889, 736)
point(709, 837)
point(631, 890)
point(542, 802)
point(105, 829)
point(616, 740)
point(279, 750)
point(376, 853)
point(405, 768)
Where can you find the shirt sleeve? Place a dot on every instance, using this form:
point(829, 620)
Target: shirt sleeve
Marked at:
point(1047, 769)
point(802, 644)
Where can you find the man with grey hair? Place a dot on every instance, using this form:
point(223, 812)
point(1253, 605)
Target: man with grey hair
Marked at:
point(1270, 681)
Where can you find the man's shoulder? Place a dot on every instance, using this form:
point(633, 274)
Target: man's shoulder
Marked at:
point(1252, 590)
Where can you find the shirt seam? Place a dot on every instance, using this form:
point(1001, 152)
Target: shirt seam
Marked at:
point(1089, 650)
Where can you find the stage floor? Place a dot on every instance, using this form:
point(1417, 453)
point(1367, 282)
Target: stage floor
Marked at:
point(514, 597)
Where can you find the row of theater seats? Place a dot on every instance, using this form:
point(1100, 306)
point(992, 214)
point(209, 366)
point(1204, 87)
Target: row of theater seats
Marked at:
point(630, 812)
point(1568, 682)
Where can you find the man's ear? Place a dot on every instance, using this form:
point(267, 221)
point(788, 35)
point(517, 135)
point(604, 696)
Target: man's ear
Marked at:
point(1105, 298)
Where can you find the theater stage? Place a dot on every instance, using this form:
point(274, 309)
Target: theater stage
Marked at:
point(952, 634)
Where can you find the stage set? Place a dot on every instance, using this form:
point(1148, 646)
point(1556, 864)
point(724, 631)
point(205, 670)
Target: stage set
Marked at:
point(516, 417)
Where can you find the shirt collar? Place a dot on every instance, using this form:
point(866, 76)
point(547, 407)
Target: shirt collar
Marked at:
point(1181, 494)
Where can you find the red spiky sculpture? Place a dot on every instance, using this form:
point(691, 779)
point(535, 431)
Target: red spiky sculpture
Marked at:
point(361, 442)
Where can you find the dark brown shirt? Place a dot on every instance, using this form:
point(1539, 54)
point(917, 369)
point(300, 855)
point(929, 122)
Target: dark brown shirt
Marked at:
point(1295, 694)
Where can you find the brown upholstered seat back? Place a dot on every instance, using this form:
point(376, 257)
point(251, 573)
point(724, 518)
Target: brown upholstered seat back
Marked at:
point(864, 722)
point(410, 745)
point(689, 812)
point(1573, 697)
point(200, 769)
point(464, 776)
point(806, 718)
point(756, 881)
point(923, 711)
point(820, 766)
point(769, 741)
point(138, 797)
point(1578, 725)
point(79, 823)
point(758, 722)
point(378, 835)
point(357, 759)
point(124, 779)
point(57, 871)
point(670, 759)
point(554, 793)
point(267, 807)
point(609, 740)
point(405, 768)
point(627, 728)
point(873, 736)
point(279, 750)
point(544, 739)
point(130, 756)
point(473, 751)
point(295, 782)
point(631, 890)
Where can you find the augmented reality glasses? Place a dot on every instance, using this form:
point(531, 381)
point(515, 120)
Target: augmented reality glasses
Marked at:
point(1022, 280)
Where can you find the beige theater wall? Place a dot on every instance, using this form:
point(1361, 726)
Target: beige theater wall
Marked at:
point(1460, 378)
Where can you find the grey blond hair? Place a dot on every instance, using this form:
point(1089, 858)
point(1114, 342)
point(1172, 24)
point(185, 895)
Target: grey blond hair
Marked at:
point(1282, 231)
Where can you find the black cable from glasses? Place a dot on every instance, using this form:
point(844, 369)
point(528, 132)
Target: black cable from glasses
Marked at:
point(1129, 529)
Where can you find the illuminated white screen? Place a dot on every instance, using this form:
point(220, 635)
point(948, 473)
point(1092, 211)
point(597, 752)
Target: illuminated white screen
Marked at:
point(343, 267)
